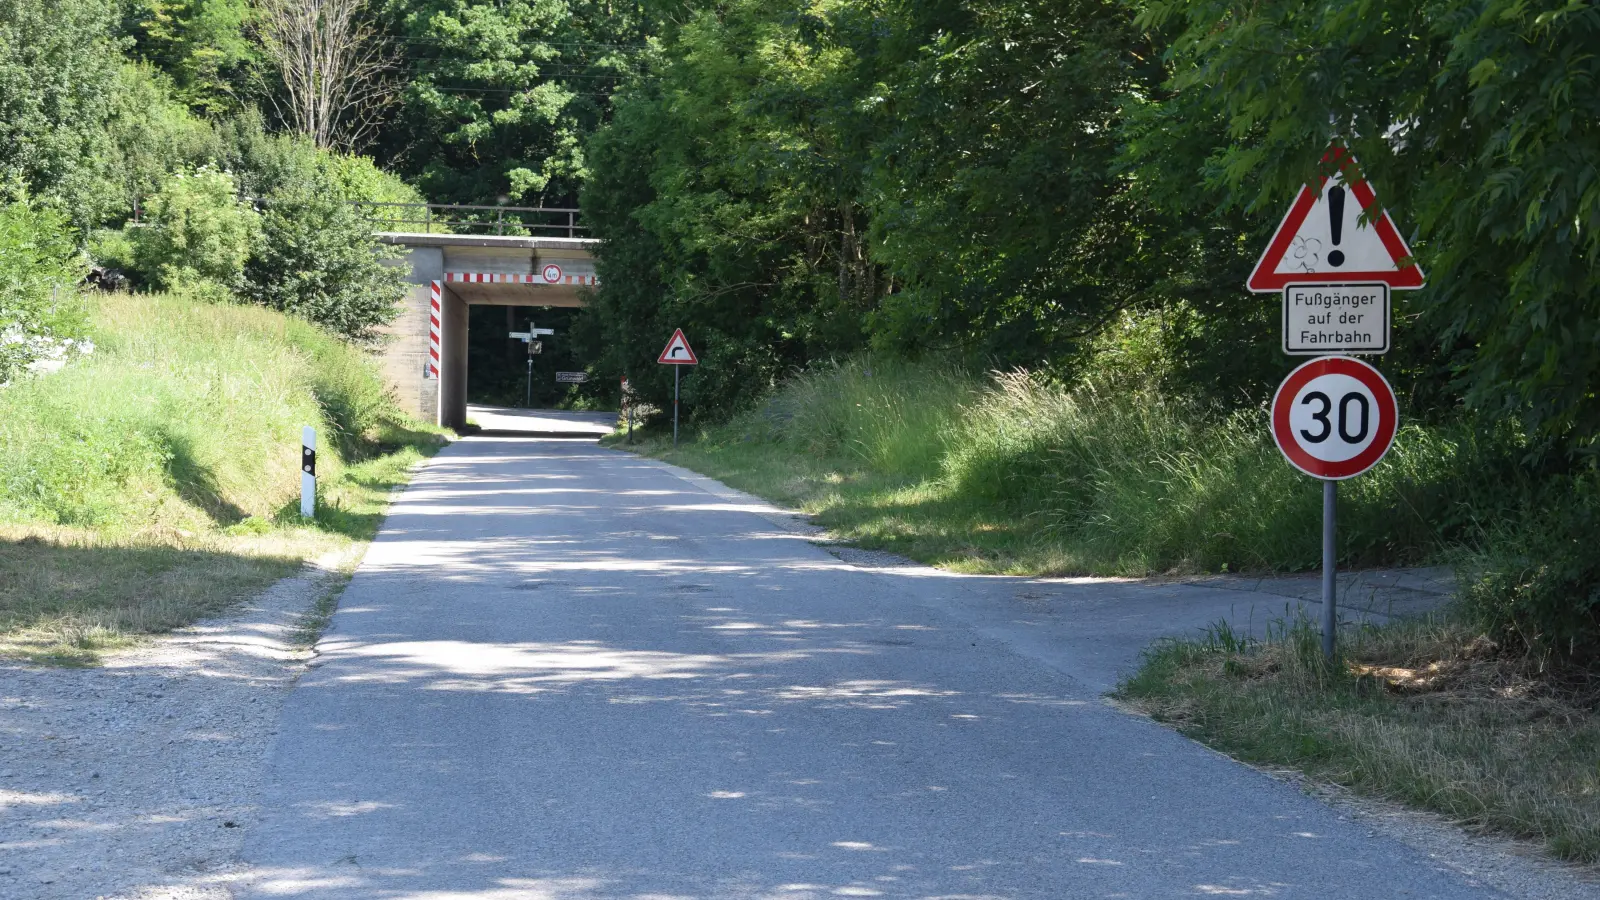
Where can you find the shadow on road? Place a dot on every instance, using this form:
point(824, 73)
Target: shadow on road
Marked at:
point(565, 674)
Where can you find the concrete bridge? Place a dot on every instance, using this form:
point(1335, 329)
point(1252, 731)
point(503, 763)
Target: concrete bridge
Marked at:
point(549, 264)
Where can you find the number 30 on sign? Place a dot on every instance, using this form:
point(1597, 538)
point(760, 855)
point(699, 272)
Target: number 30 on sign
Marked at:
point(1334, 417)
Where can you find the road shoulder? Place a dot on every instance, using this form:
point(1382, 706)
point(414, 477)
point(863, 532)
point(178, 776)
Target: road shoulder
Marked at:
point(140, 778)
point(1038, 617)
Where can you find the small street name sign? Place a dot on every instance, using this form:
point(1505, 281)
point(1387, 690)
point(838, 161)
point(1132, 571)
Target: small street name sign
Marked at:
point(1319, 319)
point(571, 377)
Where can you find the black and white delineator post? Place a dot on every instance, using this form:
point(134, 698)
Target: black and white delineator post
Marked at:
point(677, 353)
point(308, 472)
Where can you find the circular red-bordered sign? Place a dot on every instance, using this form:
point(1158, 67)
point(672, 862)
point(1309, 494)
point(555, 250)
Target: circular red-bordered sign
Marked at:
point(552, 273)
point(1334, 417)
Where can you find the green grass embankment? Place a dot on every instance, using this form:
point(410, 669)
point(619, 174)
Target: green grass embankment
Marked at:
point(157, 480)
point(1015, 474)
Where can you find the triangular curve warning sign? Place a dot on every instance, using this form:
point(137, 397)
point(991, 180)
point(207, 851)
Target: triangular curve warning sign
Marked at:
point(1322, 239)
point(677, 352)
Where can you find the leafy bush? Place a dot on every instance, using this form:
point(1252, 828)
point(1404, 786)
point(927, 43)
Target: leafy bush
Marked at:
point(58, 70)
point(318, 260)
point(153, 135)
point(1535, 585)
point(40, 311)
point(198, 233)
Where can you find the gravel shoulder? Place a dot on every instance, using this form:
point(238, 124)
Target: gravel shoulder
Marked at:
point(139, 779)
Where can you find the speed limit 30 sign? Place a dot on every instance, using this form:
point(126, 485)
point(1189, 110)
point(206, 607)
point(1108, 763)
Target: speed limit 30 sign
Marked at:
point(1334, 417)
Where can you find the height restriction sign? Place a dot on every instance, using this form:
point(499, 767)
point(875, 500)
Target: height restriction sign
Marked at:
point(1334, 417)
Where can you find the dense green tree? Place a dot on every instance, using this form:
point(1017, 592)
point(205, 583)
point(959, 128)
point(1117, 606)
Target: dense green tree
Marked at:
point(203, 46)
point(318, 261)
point(729, 191)
point(499, 95)
point(996, 206)
point(198, 233)
point(1480, 123)
point(58, 76)
point(152, 135)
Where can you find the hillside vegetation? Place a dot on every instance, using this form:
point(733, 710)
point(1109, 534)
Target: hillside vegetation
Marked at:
point(1078, 191)
point(1021, 473)
point(157, 478)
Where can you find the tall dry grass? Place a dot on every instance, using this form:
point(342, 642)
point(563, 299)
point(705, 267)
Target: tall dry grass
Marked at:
point(1428, 713)
point(1125, 479)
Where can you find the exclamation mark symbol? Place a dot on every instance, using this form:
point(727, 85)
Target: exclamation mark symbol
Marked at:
point(1336, 223)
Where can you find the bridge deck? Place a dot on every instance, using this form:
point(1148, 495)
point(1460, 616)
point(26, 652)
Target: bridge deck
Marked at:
point(506, 242)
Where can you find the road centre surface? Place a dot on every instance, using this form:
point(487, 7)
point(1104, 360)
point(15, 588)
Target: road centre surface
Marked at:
point(566, 672)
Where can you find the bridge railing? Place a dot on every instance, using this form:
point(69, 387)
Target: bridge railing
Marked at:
point(464, 218)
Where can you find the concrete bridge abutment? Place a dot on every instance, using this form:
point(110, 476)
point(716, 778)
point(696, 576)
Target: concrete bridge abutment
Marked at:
point(424, 360)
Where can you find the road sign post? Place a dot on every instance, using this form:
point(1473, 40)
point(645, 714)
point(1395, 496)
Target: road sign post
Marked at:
point(1333, 418)
point(535, 347)
point(1330, 564)
point(1335, 256)
point(677, 354)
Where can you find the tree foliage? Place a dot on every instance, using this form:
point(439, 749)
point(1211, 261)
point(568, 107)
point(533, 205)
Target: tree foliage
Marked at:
point(1002, 179)
point(318, 261)
point(197, 232)
point(203, 46)
point(58, 75)
point(499, 95)
point(39, 263)
point(1481, 123)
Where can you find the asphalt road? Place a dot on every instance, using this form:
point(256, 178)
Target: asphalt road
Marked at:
point(565, 673)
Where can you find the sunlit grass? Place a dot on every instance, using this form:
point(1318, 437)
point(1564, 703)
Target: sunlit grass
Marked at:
point(1015, 473)
point(157, 480)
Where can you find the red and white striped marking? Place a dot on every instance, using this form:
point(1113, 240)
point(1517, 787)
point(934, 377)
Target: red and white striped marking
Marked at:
point(434, 290)
point(509, 278)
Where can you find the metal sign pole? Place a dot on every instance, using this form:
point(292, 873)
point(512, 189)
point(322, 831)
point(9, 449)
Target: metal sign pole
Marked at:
point(675, 371)
point(532, 335)
point(1330, 615)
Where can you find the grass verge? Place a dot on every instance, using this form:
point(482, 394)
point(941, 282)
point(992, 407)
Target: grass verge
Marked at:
point(156, 481)
point(1018, 474)
point(1428, 713)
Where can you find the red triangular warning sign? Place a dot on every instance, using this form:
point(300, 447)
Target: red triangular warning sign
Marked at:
point(1322, 239)
point(677, 352)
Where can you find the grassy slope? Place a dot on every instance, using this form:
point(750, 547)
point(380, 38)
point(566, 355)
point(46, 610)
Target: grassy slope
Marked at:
point(155, 481)
point(1013, 474)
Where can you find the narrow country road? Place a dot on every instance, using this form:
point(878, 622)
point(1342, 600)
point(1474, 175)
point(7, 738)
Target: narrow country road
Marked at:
point(566, 673)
